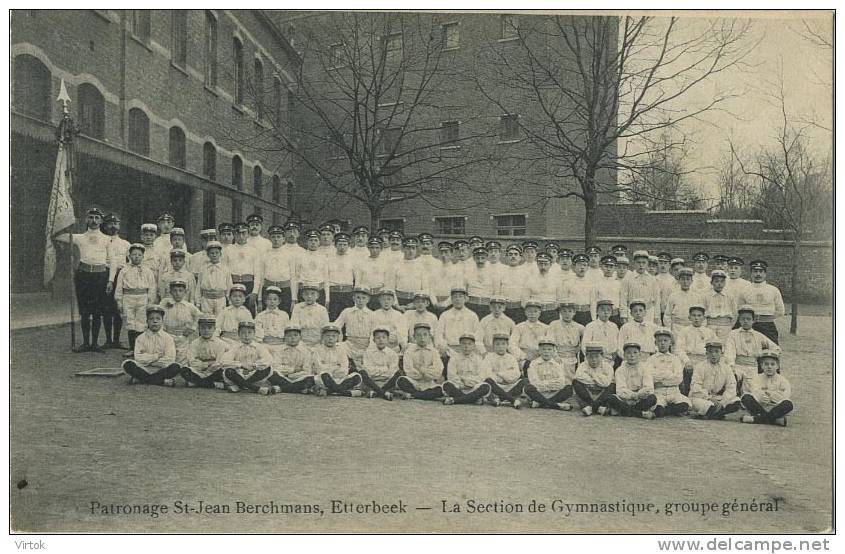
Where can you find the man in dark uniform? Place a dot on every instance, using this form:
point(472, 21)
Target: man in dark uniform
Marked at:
point(91, 249)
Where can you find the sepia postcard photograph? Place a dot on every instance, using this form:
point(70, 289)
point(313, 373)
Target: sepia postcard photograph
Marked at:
point(503, 271)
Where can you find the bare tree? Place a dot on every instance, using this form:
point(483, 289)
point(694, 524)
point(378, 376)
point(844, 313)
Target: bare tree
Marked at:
point(370, 122)
point(737, 198)
point(662, 181)
point(599, 90)
point(793, 188)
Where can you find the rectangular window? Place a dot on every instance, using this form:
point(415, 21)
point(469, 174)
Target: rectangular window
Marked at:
point(510, 225)
point(389, 140)
point(180, 38)
point(509, 127)
point(140, 25)
point(336, 56)
point(510, 26)
point(451, 225)
point(393, 47)
point(449, 132)
point(392, 224)
point(210, 50)
point(451, 37)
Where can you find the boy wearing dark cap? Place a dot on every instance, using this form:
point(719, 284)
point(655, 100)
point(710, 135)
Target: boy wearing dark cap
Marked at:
point(544, 288)
point(242, 261)
point(422, 367)
point(341, 276)
point(466, 376)
point(768, 399)
point(331, 365)
point(177, 272)
point(247, 364)
point(292, 369)
point(634, 394)
point(277, 268)
point(204, 353)
point(720, 308)
point(766, 300)
point(481, 283)
point(713, 390)
point(311, 266)
point(91, 280)
point(154, 353)
point(579, 290)
point(593, 383)
point(260, 244)
point(700, 278)
point(379, 369)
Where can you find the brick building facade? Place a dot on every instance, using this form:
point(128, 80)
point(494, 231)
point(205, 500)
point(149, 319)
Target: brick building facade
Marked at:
point(157, 94)
point(493, 199)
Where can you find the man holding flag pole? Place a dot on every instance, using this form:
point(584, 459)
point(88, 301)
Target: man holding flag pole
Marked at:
point(90, 248)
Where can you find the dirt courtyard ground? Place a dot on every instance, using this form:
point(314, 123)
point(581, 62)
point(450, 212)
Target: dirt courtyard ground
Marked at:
point(83, 442)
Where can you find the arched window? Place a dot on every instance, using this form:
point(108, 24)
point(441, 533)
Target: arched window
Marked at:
point(177, 155)
point(210, 50)
point(92, 111)
point(33, 87)
point(209, 161)
point(180, 38)
point(259, 88)
point(237, 173)
point(277, 190)
point(277, 101)
point(238, 70)
point(258, 182)
point(139, 132)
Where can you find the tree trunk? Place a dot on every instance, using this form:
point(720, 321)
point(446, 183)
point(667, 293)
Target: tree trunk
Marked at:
point(590, 212)
point(375, 217)
point(796, 255)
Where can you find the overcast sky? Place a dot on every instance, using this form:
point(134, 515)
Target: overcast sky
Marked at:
point(807, 72)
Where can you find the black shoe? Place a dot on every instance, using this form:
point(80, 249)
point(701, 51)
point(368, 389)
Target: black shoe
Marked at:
point(82, 348)
point(114, 345)
point(98, 349)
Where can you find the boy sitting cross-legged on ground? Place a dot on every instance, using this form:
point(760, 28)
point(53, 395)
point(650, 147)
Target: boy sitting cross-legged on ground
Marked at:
point(466, 382)
point(768, 399)
point(247, 365)
point(547, 376)
point(204, 355)
point(331, 365)
point(380, 366)
point(504, 375)
point(593, 384)
point(667, 371)
point(422, 366)
point(292, 371)
point(634, 385)
point(155, 353)
point(713, 389)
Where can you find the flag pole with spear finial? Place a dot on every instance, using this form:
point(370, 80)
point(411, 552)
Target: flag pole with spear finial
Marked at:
point(67, 128)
